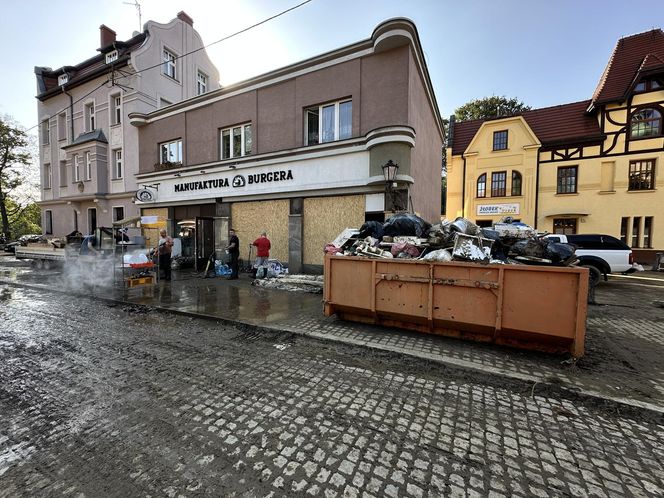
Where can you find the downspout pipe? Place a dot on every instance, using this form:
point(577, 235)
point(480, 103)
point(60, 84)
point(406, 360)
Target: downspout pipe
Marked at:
point(463, 190)
point(537, 181)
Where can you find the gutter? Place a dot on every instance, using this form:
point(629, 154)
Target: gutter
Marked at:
point(463, 190)
point(537, 180)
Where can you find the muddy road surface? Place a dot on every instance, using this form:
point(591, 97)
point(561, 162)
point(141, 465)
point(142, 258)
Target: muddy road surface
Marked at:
point(112, 400)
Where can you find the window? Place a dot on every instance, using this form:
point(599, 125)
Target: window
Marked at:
point(642, 175)
point(648, 85)
point(636, 231)
point(236, 141)
point(63, 173)
point(624, 224)
point(88, 166)
point(116, 113)
point(47, 176)
point(46, 132)
point(328, 122)
point(499, 184)
point(90, 116)
point(500, 140)
point(92, 220)
point(516, 183)
point(646, 123)
point(77, 168)
point(168, 64)
point(62, 126)
point(117, 164)
point(647, 232)
point(112, 56)
point(565, 226)
point(201, 83)
point(481, 185)
point(567, 180)
point(118, 213)
point(63, 79)
point(48, 222)
point(171, 152)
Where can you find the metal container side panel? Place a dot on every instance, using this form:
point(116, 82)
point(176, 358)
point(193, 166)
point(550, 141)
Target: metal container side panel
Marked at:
point(402, 289)
point(465, 296)
point(350, 283)
point(542, 302)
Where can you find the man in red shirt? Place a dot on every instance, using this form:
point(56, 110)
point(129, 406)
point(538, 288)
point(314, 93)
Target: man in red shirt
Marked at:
point(262, 244)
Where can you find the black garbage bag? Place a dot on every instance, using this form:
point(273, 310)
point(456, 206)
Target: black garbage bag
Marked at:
point(532, 248)
point(405, 224)
point(371, 229)
point(498, 249)
point(559, 252)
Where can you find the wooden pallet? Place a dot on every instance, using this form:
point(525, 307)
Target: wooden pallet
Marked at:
point(138, 281)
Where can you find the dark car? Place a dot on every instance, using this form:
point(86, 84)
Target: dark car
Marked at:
point(23, 240)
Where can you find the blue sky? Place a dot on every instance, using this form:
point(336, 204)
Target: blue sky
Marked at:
point(542, 52)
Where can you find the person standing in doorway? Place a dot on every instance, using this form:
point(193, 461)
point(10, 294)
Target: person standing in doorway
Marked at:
point(263, 246)
point(233, 249)
point(165, 247)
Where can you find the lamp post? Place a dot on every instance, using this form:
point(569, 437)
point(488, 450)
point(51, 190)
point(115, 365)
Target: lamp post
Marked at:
point(390, 173)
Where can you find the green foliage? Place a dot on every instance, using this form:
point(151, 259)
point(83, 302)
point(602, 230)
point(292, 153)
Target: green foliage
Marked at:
point(15, 159)
point(490, 107)
point(25, 220)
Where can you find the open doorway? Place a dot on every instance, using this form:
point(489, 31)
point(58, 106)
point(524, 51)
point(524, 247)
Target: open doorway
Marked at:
point(204, 241)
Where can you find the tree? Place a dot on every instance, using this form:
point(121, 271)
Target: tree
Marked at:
point(26, 220)
point(15, 160)
point(490, 107)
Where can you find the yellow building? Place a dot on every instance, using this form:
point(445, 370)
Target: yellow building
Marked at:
point(593, 166)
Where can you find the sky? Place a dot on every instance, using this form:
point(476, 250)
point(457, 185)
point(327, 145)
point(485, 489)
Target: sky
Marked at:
point(544, 52)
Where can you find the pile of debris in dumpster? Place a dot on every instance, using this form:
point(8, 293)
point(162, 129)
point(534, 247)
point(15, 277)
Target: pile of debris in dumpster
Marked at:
point(407, 236)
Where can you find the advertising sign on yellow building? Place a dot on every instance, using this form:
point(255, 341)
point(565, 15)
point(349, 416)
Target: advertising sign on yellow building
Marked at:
point(587, 167)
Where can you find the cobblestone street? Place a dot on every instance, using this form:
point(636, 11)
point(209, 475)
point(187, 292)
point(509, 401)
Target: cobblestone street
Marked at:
point(104, 400)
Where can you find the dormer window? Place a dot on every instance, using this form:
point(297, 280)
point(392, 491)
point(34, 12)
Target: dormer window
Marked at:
point(62, 79)
point(111, 56)
point(648, 85)
point(646, 123)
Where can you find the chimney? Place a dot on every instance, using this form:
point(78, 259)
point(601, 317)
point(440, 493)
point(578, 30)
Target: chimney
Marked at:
point(182, 15)
point(106, 36)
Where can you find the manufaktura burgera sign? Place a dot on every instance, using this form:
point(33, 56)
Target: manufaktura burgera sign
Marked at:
point(237, 181)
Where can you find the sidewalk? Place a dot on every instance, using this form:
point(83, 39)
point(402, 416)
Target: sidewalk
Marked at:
point(624, 359)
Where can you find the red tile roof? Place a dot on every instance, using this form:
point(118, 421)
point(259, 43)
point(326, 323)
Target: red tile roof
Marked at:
point(566, 123)
point(631, 54)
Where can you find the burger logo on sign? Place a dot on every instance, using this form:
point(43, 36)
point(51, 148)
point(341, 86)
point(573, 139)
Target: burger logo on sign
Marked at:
point(239, 181)
point(145, 195)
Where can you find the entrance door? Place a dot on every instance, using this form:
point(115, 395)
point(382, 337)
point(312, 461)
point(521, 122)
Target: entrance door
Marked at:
point(204, 241)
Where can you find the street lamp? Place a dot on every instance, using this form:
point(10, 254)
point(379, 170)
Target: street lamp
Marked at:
point(390, 173)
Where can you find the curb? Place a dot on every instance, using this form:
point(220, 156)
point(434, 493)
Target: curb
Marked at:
point(451, 363)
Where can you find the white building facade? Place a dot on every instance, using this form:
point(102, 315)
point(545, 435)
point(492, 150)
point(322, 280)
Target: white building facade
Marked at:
point(88, 150)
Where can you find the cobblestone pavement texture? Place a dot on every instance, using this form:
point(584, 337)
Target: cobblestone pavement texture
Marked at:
point(624, 341)
point(119, 400)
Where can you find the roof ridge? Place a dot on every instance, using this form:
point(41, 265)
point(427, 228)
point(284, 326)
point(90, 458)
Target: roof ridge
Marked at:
point(642, 33)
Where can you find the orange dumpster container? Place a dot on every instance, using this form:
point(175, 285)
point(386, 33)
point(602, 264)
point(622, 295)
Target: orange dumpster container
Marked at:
point(533, 307)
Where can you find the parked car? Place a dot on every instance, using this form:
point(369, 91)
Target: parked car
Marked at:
point(23, 240)
point(601, 254)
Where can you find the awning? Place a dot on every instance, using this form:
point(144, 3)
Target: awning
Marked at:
point(565, 213)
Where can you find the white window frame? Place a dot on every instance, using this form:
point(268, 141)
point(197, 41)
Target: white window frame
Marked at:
point(116, 109)
point(63, 79)
point(88, 166)
point(111, 56)
point(242, 141)
point(46, 131)
point(178, 143)
point(169, 63)
point(48, 222)
point(89, 115)
point(117, 164)
point(201, 82)
point(48, 176)
point(77, 168)
point(113, 208)
point(320, 121)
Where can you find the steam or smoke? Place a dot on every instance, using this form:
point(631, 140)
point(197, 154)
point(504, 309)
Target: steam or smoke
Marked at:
point(89, 273)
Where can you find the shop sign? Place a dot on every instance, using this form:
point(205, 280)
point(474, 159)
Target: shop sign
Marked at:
point(145, 195)
point(238, 181)
point(497, 209)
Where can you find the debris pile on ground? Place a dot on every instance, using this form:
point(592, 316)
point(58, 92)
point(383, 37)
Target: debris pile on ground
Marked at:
point(407, 236)
point(297, 283)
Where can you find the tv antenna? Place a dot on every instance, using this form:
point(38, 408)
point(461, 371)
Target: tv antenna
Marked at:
point(138, 10)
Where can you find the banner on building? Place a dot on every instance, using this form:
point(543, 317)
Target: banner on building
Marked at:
point(498, 209)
